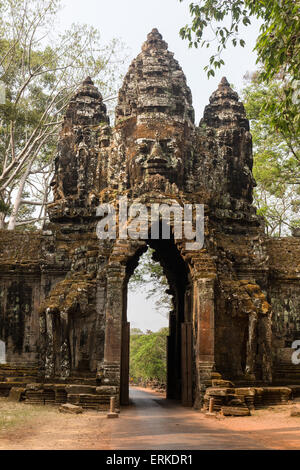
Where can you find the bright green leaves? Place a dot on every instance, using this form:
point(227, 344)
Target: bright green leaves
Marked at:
point(148, 355)
point(276, 155)
point(209, 13)
point(277, 46)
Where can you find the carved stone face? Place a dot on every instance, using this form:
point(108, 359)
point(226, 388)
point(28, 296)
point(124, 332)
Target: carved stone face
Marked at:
point(160, 154)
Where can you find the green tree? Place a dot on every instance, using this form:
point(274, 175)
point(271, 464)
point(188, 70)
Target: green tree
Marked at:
point(277, 46)
point(41, 69)
point(148, 355)
point(276, 157)
point(136, 331)
point(150, 275)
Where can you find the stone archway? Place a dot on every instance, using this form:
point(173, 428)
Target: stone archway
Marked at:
point(179, 348)
point(191, 343)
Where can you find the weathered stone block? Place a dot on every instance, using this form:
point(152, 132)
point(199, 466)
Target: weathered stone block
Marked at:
point(112, 415)
point(222, 383)
point(77, 389)
point(235, 411)
point(220, 392)
point(71, 409)
point(16, 394)
point(106, 390)
point(295, 411)
point(34, 387)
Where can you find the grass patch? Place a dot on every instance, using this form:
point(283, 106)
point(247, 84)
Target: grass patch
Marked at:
point(14, 414)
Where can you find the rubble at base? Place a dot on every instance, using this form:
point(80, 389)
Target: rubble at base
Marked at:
point(71, 409)
point(295, 411)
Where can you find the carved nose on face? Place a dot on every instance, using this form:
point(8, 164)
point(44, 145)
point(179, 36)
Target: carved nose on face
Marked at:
point(157, 158)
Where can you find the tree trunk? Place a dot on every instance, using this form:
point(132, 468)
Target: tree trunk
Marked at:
point(2, 219)
point(17, 203)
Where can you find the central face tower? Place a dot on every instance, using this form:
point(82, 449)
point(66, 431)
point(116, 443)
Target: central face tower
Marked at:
point(156, 119)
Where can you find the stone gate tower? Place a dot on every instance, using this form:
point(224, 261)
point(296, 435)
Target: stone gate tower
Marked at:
point(64, 291)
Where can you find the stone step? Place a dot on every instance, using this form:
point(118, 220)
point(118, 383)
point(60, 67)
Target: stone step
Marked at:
point(54, 394)
point(252, 397)
point(25, 379)
point(270, 396)
point(235, 411)
point(42, 396)
point(18, 365)
point(80, 374)
point(18, 373)
point(78, 389)
point(78, 381)
point(287, 379)
point(5, 387)
point(4, 369)
point(90, 401)
point(295, 390)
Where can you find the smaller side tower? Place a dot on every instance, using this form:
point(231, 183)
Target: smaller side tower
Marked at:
point(79, 172)
point(224, 163)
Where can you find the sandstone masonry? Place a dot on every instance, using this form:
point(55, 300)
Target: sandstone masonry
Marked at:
point(63, 292)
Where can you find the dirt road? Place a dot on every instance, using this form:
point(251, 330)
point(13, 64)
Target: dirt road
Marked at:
point(152, 422)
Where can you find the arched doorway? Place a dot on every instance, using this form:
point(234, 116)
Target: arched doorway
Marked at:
point(148, 311)
point(179, 341)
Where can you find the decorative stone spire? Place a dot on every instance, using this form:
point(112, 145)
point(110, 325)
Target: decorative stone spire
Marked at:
point(76, 179)
point(154, 41)
point(87, 107)
point(227, 166)
point(224, 82)
point(155, 83)
point(225, 109)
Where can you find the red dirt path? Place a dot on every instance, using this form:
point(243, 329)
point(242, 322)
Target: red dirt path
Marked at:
point(151, 422)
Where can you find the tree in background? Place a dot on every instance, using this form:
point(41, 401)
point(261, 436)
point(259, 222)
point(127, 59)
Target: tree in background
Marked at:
point(272, 97)
point(41, 70)
point(276, 157)
point(277, 46)
point(149, 275)
point(148, 350)
point(148, 355)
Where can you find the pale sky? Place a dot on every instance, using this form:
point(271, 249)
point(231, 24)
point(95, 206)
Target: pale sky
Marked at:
point(141, 313)
point(131, 21)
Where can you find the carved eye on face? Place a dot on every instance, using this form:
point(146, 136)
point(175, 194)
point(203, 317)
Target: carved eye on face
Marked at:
point(165, 145)
point(171, 146)
point(143, 147)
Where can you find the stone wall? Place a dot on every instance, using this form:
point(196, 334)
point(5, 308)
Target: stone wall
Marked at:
point(20, 295)
point(284, 293)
